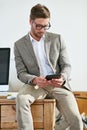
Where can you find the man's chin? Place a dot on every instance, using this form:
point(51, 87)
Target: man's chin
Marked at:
point(40, 34)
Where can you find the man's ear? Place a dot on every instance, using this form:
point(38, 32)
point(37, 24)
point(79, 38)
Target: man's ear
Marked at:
point(30, 21)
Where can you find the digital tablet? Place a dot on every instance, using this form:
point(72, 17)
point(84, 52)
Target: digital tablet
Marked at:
point(54, 76)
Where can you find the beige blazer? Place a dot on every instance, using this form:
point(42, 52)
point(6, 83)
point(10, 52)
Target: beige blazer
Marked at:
point(26, 62)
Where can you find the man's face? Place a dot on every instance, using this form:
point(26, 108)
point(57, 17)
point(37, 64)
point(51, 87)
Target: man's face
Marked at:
point(39, 27)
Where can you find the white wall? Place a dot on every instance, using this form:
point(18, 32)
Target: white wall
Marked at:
point(68, 17)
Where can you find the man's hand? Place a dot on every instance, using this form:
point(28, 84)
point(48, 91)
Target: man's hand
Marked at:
point(42, 82)
point(57, 82)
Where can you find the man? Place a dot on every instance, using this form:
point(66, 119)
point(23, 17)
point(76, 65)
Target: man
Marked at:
point(41, 53)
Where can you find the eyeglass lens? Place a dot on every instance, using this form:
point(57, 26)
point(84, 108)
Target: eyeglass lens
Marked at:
point(39, 26)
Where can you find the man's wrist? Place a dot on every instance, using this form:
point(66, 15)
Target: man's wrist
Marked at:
point(63, 77)
point(64, 80)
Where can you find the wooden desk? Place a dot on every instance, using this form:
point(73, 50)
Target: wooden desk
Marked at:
point(43, 112)
point(81, 98)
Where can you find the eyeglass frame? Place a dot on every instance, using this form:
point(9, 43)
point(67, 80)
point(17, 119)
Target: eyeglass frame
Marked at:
point(39, 26)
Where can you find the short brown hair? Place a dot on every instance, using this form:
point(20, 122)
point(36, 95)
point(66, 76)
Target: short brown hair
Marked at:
point(39, 11)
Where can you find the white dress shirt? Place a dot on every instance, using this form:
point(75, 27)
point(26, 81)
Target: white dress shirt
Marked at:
point(39, 49)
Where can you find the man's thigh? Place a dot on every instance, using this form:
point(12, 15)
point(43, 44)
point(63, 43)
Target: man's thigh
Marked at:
point(30, 90)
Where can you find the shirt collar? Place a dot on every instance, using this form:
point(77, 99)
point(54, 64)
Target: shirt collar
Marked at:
point(32, 39)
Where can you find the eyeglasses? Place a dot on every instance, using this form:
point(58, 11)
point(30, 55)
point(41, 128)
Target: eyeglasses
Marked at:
point(39, 26)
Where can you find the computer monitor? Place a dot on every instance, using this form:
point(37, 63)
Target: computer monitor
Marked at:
point(4, 67)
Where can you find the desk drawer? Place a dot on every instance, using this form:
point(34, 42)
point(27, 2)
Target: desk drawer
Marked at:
point(8, 116)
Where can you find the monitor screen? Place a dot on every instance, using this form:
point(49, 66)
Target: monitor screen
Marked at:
point(4, 65)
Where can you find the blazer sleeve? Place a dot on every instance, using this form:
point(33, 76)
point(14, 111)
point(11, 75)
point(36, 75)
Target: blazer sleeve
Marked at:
point(64, 61)
point(22, 72)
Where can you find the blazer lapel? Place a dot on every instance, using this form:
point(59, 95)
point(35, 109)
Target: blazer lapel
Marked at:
point(47, 46)
point(30, 48)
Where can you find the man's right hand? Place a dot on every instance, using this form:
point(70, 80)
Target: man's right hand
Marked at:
point(39, 81)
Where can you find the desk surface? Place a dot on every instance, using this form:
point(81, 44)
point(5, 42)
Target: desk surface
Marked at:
point(40, 101)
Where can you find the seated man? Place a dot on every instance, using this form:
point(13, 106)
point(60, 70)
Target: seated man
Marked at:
point(41, 53)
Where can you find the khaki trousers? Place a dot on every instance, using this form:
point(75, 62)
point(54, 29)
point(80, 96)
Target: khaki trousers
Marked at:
point(65, 103)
